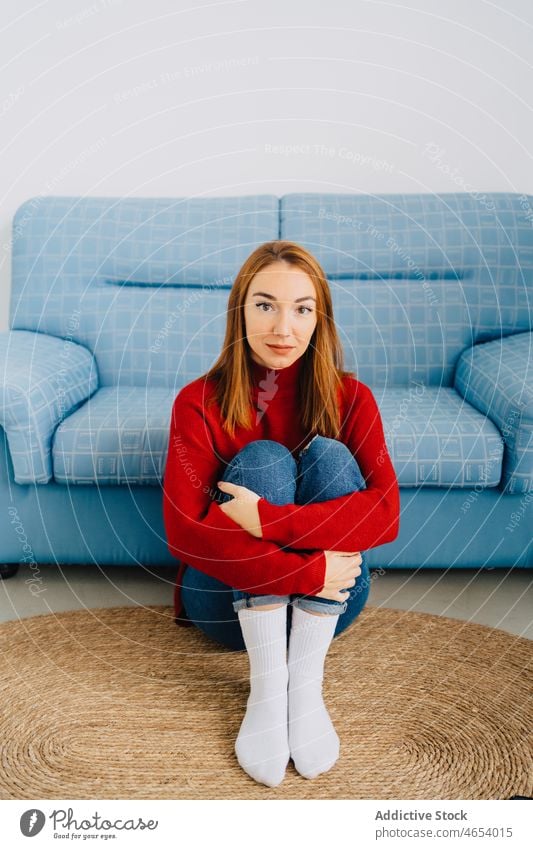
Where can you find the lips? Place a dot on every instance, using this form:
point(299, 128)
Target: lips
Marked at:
point(280, 347)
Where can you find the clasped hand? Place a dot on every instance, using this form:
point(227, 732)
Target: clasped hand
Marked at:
point(242, 508)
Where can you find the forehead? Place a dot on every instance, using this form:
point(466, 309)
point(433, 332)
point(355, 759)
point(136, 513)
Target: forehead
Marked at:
point(280, 277)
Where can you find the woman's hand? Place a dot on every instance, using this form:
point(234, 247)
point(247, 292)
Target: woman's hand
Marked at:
point(342, 570)
point(242, 508)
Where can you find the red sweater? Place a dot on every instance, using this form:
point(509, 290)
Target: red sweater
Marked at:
point(200, 534)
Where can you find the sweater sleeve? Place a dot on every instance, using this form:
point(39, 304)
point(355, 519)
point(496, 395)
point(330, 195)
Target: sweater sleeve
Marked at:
point(201, 534)
point(353, 522)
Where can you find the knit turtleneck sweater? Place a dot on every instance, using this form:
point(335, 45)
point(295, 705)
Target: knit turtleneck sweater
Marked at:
point(289, 558)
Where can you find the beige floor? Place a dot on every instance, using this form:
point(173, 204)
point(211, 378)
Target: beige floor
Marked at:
point(499, 598)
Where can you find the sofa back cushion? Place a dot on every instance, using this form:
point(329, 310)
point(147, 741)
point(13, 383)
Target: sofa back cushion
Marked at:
point(418, 277)
point(142, 282)
point(396, 334)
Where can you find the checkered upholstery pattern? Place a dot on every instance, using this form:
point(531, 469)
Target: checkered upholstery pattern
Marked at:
point(142, 284)
point(487, 246)
point(42, 380)
point(436, 439)
point(119, 437)
point(497, 379)
point(394, 335)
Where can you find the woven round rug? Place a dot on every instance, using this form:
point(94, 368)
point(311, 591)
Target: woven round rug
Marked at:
point(120, 703)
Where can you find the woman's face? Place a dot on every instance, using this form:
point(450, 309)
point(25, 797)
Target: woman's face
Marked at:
point(280, 309)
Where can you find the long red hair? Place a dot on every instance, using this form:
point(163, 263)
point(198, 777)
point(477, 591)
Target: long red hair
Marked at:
point(323, 368)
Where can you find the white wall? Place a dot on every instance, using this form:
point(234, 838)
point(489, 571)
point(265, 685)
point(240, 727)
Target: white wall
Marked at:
point(178, 97)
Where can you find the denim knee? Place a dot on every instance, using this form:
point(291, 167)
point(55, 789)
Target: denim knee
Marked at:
point(265, 466)
point(343, 472)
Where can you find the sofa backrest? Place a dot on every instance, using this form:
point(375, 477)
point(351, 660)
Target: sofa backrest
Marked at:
point(144, 282)
point(417, 278)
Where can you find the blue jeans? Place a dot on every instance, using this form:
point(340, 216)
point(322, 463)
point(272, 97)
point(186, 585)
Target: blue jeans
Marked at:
point(325, 469)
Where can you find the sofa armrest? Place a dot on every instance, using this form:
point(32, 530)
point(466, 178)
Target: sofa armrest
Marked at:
point(497, 379)
point(42, 379)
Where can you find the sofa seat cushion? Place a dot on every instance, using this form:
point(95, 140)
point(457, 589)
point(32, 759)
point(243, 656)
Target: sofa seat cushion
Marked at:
point(435, 438)
point(119, 436)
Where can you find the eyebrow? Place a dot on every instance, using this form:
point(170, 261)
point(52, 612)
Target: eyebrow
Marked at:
point(272, 298)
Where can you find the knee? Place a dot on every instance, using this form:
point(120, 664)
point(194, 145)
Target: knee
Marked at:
point(264, 453)
point(338, 456)
point(266, 467)
point(320, 444)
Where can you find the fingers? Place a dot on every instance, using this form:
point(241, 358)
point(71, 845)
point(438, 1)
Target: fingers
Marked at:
point(351, 582)
point(241, 493)
point(356, 555)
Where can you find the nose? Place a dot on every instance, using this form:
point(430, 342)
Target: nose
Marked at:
point(282, 324)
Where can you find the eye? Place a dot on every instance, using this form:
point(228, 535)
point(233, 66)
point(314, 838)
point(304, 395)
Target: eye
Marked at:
point(260, 304)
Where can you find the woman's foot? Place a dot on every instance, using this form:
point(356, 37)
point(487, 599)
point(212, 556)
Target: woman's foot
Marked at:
point(314, 744)
point(262, 745)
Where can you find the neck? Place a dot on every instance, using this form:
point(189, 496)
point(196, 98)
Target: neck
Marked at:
point(284, 379)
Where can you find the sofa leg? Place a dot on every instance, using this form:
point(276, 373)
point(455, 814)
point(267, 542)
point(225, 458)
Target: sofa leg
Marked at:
point(7, 570)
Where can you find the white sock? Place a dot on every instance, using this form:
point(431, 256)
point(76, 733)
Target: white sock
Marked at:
point(262, 745)
point(313, 741)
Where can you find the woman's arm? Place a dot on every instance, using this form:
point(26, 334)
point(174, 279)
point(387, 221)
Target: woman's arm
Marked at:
point(353, 522)
point(199, 532)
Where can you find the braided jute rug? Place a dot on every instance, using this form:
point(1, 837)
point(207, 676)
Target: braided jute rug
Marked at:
point(120, 703)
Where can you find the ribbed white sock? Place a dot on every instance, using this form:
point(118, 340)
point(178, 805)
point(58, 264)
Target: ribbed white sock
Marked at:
point(313, 742)
point(262, 745)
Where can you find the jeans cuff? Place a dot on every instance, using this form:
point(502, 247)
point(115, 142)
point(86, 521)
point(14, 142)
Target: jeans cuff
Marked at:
point(320, 606)
point(260, 601)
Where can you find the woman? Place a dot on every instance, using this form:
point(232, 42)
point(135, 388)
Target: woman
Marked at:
point(277, 476)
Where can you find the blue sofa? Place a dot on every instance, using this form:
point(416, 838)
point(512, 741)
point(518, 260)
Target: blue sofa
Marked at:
point(117, 303)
